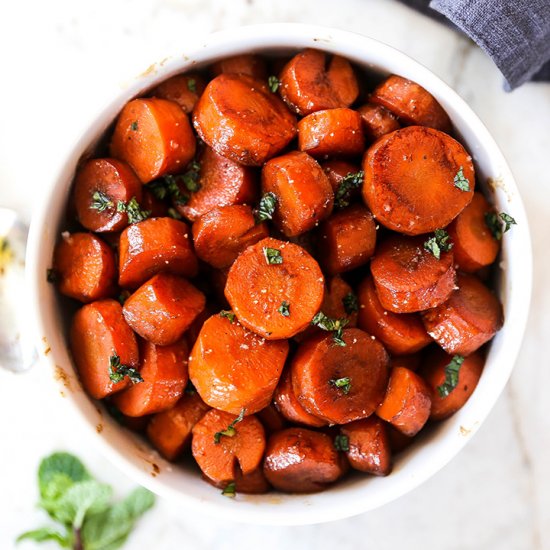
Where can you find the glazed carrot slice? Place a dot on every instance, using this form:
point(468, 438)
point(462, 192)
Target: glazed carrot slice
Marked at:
point(449, 398)
point(275, 288)
point(347, 239)
point(417, 180)
point(411, 103)
point(407, 402)
point(85, 267)
point(288, 405)
point(402, 334)
point(98, 333)
point(193, 331)
point(272, 419)
point(170, 430)
point(154, 245)
point(469, 318)
point(222, 182)
point(223, 233)
point(164, 373)
point(377, 121)
point(183, 89)
point(298, 460)
point(336, 170)
point(241, 119)
point(312, 81)
point(411, 362)
point(218, 454)
point(254, 483)
point(163, 308)
point(398, 440)
point(154, 137)
point(474, 245)
point(408, 277)
point(340, 383)
point(303, 193)
point(99, 185)
point(233, 368)
point(331, 132)
point(247, 64)
point(369, 446)
point(150, 203)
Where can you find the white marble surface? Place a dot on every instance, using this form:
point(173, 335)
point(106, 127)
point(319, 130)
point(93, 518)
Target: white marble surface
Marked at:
point(61, 59)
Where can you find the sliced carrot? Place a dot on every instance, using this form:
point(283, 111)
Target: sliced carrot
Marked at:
point(164, 373)
point(163, 308)
point(368, 446)
point(275, 288)
point(377, 121)
point(336, 170)
point(347, 239)
point(254, 483)
point(218, 454)
point(411, 103)
point(398, 440)
point(407, 402)
point(474, 245)
point(402, 334)
point(170, 430)
point(223, 233)
point(417, 180)
point(331, 132)
point(150, 203)
point(312, 81)
point(99, 185)
point(183, 89)
point(298, 460)
point(272, 419)
point(154, 245)
point(467, 320)
point(247, 64)
point(408, 277)
point(241, 119)
point(85, 267)
point(234, 369)
point(154, 137)
point(193, 331)
point(303, 193)
point(99, 333)
point(340, 383)
point(340, 301)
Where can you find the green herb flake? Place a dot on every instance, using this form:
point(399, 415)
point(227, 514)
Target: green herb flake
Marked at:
point(51, 275)
point(461, 181)
point(228, 315)
point(266, 208)
point(134, 126)
point(336, 326)
point(230, 431)
point(273, 83)
point(452, 371)
point(133, 210)
point(352, 181)
point(495, 223)
point(174, 214)
point(171, 188)
point(117, 371)
point(123, 296)
point(101, 202)
point(284, 308)
point(192, 85)
point(508, 221)
point(343, 384)
point(273, 256)
point(341, 442)
point(230, 490)
point(351, 304)
point(440, 242)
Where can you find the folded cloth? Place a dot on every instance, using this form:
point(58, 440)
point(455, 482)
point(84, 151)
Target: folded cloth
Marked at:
point(514, 33)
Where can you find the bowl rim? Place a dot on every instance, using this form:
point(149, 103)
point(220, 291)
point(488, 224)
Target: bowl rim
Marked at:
point(280, 36)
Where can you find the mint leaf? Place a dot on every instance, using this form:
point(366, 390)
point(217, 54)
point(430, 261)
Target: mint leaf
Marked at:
point(266, 208)
point(461, 181)
point(352, 181)
point(58, 472)
point(45, 534)
point(452, 371)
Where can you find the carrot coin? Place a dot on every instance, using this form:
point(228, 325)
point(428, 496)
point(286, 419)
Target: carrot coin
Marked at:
point(377, 121)
point(247, 64)
point(183, 89)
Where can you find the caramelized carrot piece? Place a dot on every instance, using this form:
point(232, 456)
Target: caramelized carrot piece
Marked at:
point(340, 383)
point(154, 137)
point(369, 446)
point(150, 203)
point(275, 288)
point(417, 180)
point(411, 103)
point(303, 193)
point(154, 245)
point(347, 239)
point(272, 419)
point(218, 454)
point(310, 82)
point(222, 182)
point(331, 132)
point(336, 170)
point(85, 267)
point(163, 308)
point(398, 440)
point(469, 318)
point(474, 245)
point(446, 400)
point(241, 119)
point(223, 233)
point(408, 277)
point(407, 402)
point(164, 373)
point(377, 121)
point(402, 334)
point(98, 333)
point(99, 185)
point(288, 405)
point(247, 64)
point(170, 430)
point(298, 460)
point(234, 369)
point(254, 483)
point(183, 89)
point(193, 331)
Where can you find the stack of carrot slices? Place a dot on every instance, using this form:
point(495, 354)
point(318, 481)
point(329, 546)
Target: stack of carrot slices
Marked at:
point(278, 277)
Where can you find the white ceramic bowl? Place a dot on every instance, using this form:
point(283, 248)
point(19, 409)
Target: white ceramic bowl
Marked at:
point(357, 493)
